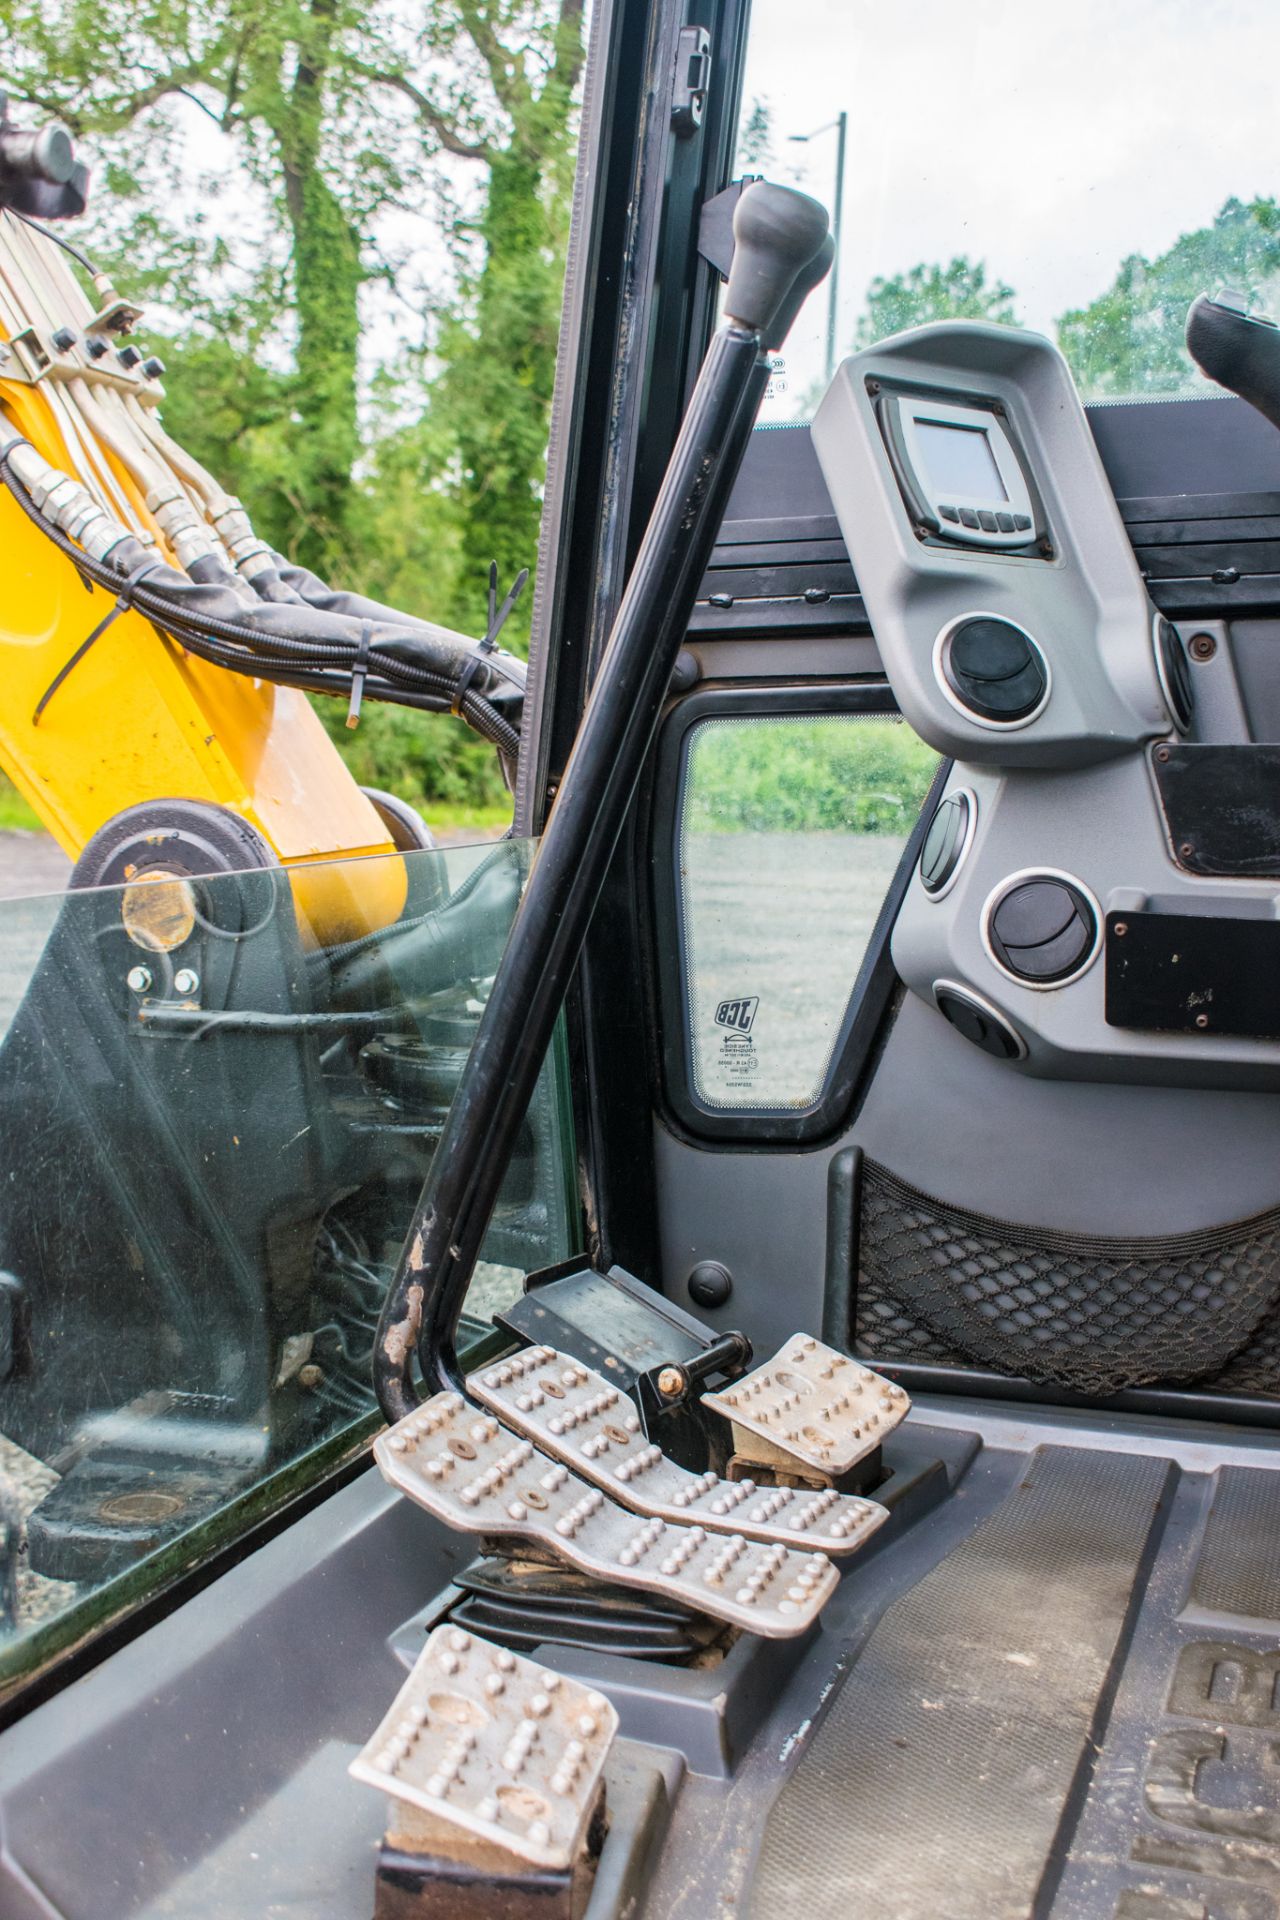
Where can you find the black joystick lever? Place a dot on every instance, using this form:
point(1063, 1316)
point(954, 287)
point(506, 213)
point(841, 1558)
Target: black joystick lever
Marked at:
point(39, 173)
point(781, 249)
point(1238, 349)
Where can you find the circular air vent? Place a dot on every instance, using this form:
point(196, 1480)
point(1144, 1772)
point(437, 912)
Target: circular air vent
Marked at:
point(947, 842)
point(1042, 928)
point(991, 670)
point(978, 1021)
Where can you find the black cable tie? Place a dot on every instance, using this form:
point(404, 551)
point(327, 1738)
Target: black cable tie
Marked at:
point(360, 667)
point(475, 659)
point(123, 604)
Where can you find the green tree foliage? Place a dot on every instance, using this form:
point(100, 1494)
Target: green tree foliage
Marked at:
point(958, 291)
point(1130, 340)
point(354, 123)
point(833, 775)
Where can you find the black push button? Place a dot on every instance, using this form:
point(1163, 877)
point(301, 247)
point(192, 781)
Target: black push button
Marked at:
point(977, 1023)
point(987, 521)
point(1043, 930)
point(1005, 522)
point(968, 518)
point(995, 670)
point(949, 513)
point(1021, 523)
point(944, 842)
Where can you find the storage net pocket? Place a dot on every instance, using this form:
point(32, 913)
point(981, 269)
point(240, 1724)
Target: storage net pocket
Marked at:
point(942, 1285)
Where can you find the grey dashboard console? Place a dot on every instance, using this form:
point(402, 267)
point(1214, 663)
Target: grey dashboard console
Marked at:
point(1006, 601)
point(1052, 913)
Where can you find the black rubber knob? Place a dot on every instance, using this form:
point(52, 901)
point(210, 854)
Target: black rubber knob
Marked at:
point(1043, 930)
point(944, 842)
point(995, 669)
point(1241, 351)
point(777, 233)
point(710, 1284)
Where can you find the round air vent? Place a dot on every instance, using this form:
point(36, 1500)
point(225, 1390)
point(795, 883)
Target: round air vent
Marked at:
point(992, 670)
point(978, 1021)
point(1042, 928)
point(1174, 672)
point(947, 842)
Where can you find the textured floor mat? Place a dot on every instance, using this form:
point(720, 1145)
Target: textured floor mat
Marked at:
point(1239, 1566)
point(936, 1785)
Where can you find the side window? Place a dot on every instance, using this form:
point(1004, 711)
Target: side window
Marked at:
point(789, 830)
point(213, 1131)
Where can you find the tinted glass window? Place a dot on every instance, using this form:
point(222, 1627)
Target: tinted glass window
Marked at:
point(790, 831)
point(212, 1134)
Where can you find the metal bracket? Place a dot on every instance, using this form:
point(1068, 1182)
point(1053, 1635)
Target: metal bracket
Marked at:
point(692, 81)
point(715, 224)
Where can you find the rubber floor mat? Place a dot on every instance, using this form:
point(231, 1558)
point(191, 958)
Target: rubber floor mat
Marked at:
point(940, 1784)
point(1239, 1566)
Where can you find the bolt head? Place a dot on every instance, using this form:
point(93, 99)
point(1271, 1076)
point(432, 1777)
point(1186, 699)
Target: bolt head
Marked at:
point(138, 979)
point(186, 980)
point(670, 1381)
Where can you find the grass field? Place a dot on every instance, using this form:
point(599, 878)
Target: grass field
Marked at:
point(14, 811)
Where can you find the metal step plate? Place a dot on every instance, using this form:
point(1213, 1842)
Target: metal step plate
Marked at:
point(814, 1404)
point(582, 1418)
point(495, 1744)
point(467, 1470)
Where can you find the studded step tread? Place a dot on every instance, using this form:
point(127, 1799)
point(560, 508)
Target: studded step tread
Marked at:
point(577, 1414)
point(462, 1466)
point(495, 1744)
point(814, 1404)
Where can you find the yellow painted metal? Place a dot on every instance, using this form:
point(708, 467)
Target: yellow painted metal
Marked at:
point(140, 719)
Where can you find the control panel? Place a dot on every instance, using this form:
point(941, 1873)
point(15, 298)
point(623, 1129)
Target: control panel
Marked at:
point(1097, 895)
point(1006, 601)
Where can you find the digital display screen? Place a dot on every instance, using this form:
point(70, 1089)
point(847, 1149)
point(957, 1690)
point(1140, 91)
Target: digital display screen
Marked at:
point(960, 462)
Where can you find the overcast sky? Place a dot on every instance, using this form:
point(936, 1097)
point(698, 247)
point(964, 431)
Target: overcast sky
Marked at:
point(1049, 140)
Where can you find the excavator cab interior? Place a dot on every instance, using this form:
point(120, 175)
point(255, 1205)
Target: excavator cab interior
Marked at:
point(718, 1355)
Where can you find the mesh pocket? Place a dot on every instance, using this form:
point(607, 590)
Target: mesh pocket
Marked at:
point(1081, 1311)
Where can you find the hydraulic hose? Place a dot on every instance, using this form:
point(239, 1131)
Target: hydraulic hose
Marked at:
point(779, 244)
point(289, 643)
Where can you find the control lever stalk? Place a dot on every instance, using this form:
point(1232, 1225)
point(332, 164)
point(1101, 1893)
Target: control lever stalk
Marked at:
point(780, 240)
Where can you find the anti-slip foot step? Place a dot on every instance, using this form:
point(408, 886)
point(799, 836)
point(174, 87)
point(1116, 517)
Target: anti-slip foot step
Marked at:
point(813, 1404)
point(494, 1744)
point(582, 1418)
point(468, 1471)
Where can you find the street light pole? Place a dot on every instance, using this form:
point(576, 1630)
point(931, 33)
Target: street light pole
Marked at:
point(841, 126)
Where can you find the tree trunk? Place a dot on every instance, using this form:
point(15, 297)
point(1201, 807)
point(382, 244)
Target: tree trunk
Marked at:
point(328, 275)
